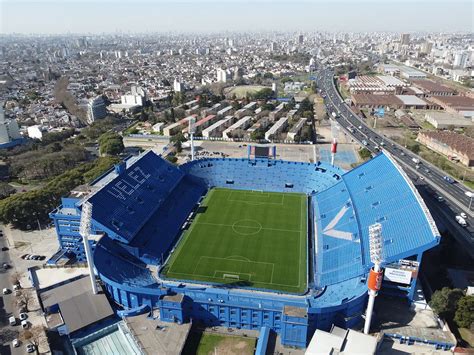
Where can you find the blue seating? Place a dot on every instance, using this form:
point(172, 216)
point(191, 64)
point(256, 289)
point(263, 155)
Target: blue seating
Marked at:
point(127, 202)
point(343, 206)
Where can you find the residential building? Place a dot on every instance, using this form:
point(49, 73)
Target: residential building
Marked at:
point(96, 109)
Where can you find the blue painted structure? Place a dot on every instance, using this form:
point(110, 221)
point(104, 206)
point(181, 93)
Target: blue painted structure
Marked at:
point(262, 341)
point(141, 206)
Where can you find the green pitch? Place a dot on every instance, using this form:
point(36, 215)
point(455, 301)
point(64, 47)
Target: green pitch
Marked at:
point(245, 238)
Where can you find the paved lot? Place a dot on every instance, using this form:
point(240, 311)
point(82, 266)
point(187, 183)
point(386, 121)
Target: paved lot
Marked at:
point(292, 152)
point(35, 242)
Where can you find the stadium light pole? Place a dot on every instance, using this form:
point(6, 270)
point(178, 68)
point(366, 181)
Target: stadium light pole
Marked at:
point(375, 276)
point(85, 231)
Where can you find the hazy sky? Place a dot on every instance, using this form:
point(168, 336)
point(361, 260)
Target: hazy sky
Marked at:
point(97, 16)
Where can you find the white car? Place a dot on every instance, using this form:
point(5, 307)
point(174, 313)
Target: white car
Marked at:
point(16, 343)
point(23, 316)
point(6, 291)
point(25, 324)
point(30, 348)
point(463, 215)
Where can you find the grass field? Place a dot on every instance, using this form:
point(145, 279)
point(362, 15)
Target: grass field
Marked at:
point(242, 91)
point(245, 238)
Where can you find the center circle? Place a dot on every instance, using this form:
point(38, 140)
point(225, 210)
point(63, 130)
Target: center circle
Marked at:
point(246, 227)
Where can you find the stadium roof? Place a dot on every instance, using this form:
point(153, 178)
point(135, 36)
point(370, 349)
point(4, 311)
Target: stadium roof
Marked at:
point(375, 192)
point(126, 203)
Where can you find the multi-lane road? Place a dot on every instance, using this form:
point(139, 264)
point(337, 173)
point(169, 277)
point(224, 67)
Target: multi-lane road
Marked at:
point(450, 198)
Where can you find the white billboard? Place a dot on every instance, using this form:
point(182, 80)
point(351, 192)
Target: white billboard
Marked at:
point(397, 275)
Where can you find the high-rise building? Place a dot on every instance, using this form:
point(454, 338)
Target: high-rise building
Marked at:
point(300, 39)
point(405, 39)
point(137, 96)
point(9, 130)
point(177, 86)
point(96, 109)
point(221, 75)
point(460, 60)
point(273, 46)
point(426, 47)
point(238, 73)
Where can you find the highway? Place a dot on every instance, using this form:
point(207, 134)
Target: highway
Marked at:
point(451, 196)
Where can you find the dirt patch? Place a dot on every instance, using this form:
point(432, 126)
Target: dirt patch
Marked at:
point(233, 346)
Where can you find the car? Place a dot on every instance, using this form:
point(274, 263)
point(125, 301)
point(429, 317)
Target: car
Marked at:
point(25, 324)
point(24, 256)
point(36, 257)
point(12, 321)
point(4, 248)
point(402, 154)
point(30, 257)
point(16, 286)
point(422, 178)
point(30, 348)
point(16, 343)
point(417, 166)
point(440, 198)
point(6, 291)
point(42, 257)
point(5, 266)
point(448, 179)
point(23, 316)
point(463, 215)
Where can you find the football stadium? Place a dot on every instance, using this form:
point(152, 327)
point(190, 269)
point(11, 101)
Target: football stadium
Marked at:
point(248, 243)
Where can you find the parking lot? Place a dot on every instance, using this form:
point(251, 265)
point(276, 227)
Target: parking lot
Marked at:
point(20, 302)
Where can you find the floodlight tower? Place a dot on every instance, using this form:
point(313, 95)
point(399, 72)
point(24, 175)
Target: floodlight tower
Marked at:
point(335, 136)
point(85, 231)
point(376, 273)
point(192, 130)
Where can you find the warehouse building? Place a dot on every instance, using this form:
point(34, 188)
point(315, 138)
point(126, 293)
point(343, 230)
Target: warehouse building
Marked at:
point(444, 120)
point(450, 144)
point(462, 105)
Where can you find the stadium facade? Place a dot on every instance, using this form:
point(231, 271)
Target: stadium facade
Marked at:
point(141, 206)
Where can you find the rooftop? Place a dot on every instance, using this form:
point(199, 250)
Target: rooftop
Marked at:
point(456, 141)
point(432, 86)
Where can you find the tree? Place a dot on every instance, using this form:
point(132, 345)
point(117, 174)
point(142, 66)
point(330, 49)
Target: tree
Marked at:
point(15, 278)
point(111, 143)
point(268, 75)
point(365, 153)
point(24, 299)
point(264, 94)
point(444, 301)
point(171, 158)
point(18, 209)
point(36, 336)
point(290, 105)
point(306, 105)
point(6, 190)
point(179, 137)
point(464, 316)
point(257, 135)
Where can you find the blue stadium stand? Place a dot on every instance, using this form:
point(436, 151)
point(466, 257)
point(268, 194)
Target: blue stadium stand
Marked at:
point(141, 206)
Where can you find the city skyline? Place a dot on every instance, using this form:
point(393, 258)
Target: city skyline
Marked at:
point(89, 17)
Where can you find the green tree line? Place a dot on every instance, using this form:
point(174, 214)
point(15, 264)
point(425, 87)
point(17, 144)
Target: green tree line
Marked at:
point(22, 210)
